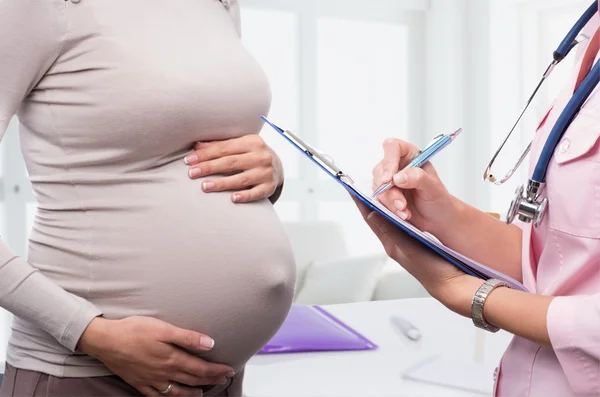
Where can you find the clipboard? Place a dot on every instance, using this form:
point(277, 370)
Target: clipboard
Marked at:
point(311, 328)
point(462, 262)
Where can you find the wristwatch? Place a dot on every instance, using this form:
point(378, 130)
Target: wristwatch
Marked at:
point(479, 300)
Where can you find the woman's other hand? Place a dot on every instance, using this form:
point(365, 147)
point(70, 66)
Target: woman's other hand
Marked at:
point(418, 194)
point(149, 355)
point(258, 172)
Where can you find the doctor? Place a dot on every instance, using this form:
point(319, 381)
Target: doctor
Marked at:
point(555, 252)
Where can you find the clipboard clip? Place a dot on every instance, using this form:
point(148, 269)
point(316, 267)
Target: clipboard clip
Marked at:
point(325, 160)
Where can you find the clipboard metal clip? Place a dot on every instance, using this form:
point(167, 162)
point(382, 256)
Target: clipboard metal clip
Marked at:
point(325, 160)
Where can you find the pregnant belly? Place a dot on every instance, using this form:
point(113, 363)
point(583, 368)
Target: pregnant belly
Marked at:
point(193, 259)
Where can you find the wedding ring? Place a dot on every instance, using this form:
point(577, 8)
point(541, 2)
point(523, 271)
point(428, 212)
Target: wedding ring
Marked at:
point(168, 389)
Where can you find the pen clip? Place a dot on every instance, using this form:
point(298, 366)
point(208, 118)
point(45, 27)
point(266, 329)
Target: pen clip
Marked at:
point(452, 136)
point(432, 142)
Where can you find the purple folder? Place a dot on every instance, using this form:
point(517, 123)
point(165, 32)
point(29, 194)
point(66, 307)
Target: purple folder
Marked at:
point(313, 329)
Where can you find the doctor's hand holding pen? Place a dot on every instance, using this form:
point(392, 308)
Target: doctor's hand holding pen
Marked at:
point(419, 196)
point(425, 202)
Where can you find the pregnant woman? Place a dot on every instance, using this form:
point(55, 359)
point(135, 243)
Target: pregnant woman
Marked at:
point(156, 262)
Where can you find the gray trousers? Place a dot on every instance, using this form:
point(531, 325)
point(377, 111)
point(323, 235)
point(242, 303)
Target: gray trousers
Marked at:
point(23, 383)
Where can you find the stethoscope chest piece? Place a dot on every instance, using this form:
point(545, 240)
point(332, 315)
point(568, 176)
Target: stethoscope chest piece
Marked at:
point(527, 205)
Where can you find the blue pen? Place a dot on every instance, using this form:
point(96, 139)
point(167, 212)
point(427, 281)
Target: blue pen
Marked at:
point(436, 146)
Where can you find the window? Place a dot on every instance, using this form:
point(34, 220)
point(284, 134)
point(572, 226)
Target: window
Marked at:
point(340, 79)
point(362, 91)
point(362, 76)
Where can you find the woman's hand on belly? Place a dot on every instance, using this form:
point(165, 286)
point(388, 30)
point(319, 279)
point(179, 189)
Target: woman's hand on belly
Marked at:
point(258, 172)
point(149, 355)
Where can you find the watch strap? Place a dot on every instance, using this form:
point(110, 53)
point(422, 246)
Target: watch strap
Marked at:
point(479, 300)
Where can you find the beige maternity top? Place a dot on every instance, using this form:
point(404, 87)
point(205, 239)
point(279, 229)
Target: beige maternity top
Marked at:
point(111, 95)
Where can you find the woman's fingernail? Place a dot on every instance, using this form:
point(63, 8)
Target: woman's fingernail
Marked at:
point(401, 178)
point(194, 172)
point(399, 204)
point(191, 159)
point(208, 186)
point(403, 215)
point(236, 198)
point(207, 342)
point(231, 374)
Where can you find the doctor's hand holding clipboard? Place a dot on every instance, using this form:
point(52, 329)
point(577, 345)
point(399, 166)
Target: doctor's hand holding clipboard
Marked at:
point(420, 197)
point(553, 250)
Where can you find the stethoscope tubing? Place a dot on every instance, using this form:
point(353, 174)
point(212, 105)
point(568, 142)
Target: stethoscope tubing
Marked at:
point(570, 39)
point(564, 121)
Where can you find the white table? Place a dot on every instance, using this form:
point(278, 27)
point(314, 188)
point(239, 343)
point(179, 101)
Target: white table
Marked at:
point(379, 372)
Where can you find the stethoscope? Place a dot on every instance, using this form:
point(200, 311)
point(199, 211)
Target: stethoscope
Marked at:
point(527, 204)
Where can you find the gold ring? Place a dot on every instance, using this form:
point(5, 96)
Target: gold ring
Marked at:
point(168, 389)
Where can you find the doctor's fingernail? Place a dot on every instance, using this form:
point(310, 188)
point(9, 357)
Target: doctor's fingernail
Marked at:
point(400, 178)
point(399, 204)
point(194, 172)
point(191, 159)
point(208, 186)
point(386, 177)
point(403, 215)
